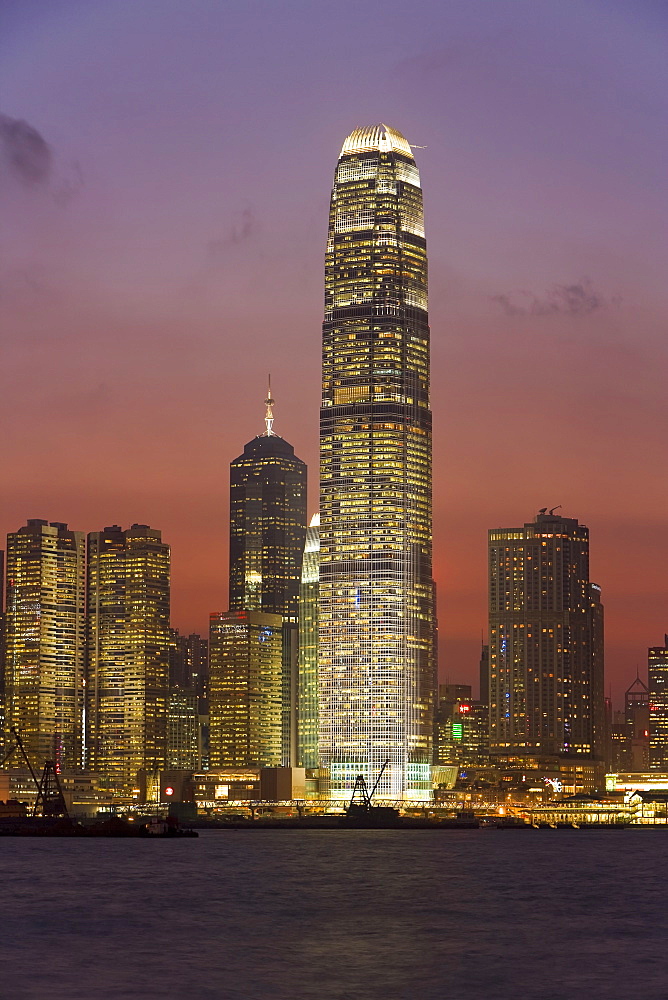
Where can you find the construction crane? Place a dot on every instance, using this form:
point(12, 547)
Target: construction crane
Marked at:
point(361, 797)
point(362, 813)
point(50, 800)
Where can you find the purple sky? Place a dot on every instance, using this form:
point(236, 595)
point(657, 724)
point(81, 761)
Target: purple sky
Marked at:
point(163, 249)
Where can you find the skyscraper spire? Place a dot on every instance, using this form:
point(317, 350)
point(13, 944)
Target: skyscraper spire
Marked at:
point(269, 412)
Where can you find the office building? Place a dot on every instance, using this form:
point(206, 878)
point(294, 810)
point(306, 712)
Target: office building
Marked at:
point(46, 642)
point(376, 655)
point(307, 693)
point(657, 663)
point(461, 727)
point(189, 662)
point(128, 653)
point(267, 533)
point(545, 641)
point(245, 689)
point(184, 742)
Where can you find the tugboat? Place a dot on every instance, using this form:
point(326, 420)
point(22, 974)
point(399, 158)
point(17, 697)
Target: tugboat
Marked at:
point(362, 815)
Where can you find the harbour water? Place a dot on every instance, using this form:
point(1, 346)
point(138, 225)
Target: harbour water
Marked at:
point(338, 915)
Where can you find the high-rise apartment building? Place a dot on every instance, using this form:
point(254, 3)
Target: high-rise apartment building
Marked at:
point(657, 662)
point(245, 694)
point(128, 653)
point(307, 693)
point(376, 660)
point(267, 532)
point(546, 640)
point(46, 642)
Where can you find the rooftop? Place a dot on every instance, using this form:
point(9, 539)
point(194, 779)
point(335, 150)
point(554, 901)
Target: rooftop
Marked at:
point(373, 137)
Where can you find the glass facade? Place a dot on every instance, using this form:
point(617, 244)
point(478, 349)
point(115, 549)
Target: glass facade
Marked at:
point(545, 640)
point(128, 653)
point(46, 643)
point(376, 656)
point(307, 695)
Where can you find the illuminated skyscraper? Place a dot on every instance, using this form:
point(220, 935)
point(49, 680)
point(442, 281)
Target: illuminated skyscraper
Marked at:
point(46, 642)
point(376, 660)
point(245, 689)
point(267, 531)
point(267, 524)
point(128, 653)
point(545, 641)
point(307, 694)
point(657, 660)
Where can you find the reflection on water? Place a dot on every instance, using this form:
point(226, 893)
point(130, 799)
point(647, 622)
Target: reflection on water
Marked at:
point(338, 915)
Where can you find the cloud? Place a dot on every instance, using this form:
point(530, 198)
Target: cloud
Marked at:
point(25, 153)
point(578, 299)
point(243, 228)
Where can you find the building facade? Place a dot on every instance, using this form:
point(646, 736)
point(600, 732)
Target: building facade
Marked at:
point(189, 662)
point(376, 655)
point(657, 663)
point(545, 641)
point(245, 689)
point(46, 642)
point(128, 653)
point(307, 693)
point(184, 743)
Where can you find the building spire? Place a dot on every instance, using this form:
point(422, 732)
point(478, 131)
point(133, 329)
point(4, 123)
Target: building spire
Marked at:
point(269, 412)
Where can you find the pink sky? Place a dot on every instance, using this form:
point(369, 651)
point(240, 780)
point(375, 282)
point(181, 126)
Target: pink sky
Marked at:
point(168, 253)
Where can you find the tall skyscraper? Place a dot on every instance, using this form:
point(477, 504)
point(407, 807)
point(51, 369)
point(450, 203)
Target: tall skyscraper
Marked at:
point(46, 642)
point(307, 694)
point(128, 653)
point(245, 696)
point(267, 524)
point(376, 660)
point(657, 661)
point(267, 532)
point(546, 640)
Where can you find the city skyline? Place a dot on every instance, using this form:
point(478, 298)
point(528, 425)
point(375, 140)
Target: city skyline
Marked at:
point(545, 237)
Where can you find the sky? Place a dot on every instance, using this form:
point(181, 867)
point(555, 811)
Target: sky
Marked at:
point(165, 173)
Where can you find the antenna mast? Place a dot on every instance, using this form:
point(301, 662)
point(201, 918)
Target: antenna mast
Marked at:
point(269, 412)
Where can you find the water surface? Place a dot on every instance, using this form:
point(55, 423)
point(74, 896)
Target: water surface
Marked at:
point(338, 915)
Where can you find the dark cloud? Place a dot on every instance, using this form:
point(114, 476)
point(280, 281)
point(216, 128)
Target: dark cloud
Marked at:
point(243, 228)
point(578, 299)
point(25, 153)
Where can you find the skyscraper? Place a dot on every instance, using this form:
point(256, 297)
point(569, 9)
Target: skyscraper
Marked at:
point(46, 641)
point(267, 532)
point(307, 693)
point(128, 653)
point(545, 641)
point(376, 662)
point(267, 524)
point(657, 660)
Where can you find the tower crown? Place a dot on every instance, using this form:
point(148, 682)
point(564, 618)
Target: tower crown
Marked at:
point(373, 137)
